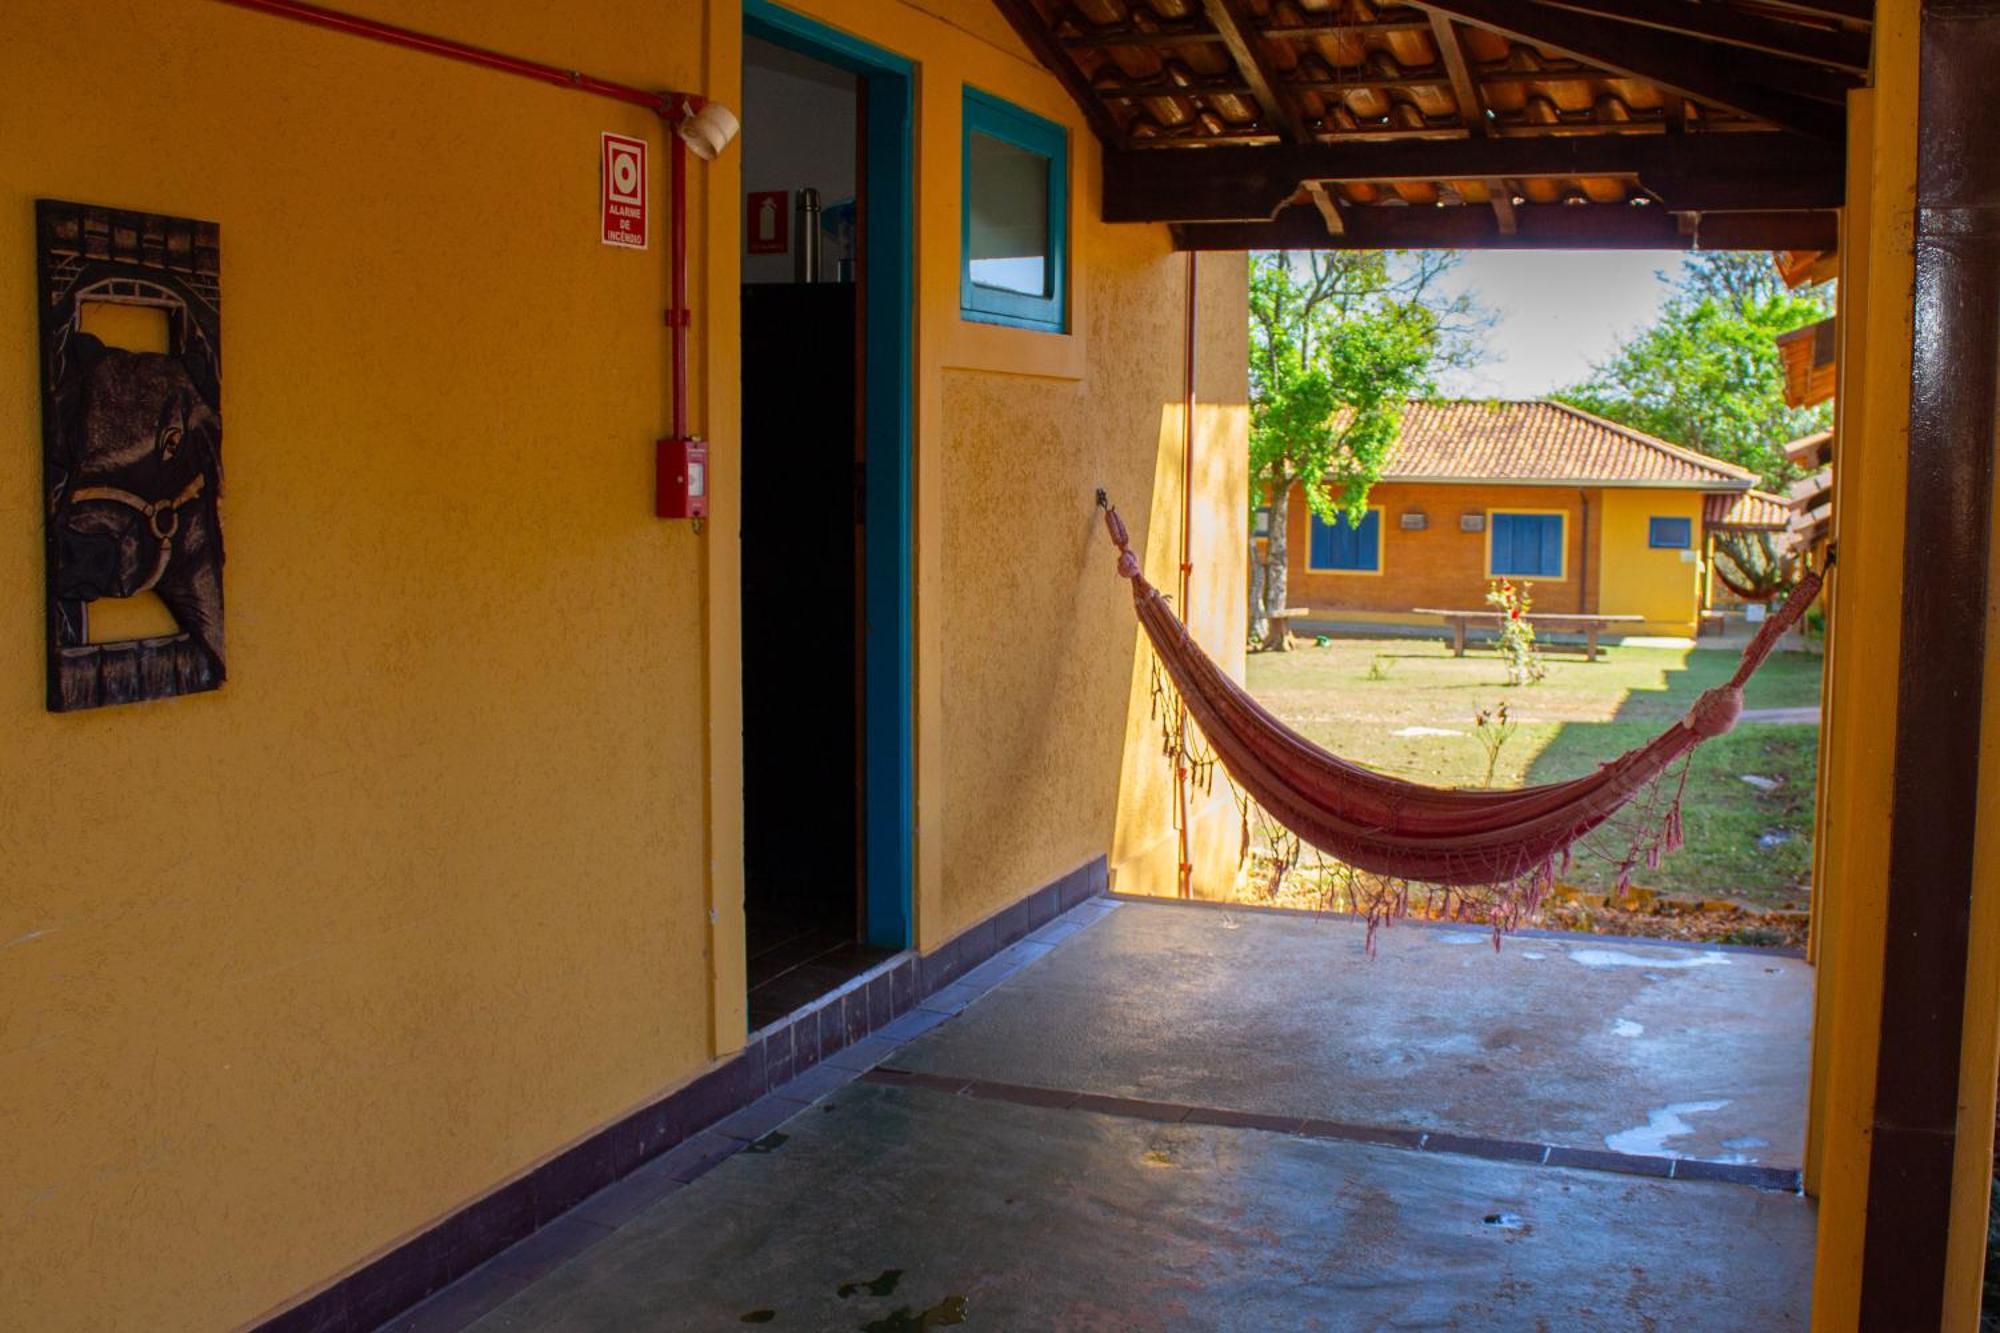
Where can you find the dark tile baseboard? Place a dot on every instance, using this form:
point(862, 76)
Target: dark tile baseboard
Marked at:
point(427, 1263)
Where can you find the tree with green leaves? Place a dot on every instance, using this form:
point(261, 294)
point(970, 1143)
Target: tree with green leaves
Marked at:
point(1707, 373)
point(1339, 341)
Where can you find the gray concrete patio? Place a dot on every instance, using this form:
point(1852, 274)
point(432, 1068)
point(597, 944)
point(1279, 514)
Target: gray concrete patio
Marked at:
point(1157, 1116)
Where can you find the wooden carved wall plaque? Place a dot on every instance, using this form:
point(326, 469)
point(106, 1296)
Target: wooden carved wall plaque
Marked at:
point(131, 447)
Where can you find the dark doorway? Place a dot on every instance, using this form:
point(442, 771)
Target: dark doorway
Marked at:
point(805, 720)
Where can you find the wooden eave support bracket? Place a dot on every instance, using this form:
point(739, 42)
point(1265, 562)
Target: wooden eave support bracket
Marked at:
point(1329, 207)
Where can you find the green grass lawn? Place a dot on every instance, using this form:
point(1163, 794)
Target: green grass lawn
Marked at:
point(1583, 714)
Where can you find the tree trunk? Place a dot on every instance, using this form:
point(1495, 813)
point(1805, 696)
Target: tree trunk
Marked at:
point(1277, 633)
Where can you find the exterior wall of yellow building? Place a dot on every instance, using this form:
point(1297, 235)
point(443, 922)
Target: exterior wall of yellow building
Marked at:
point(1664, 586)
point(1608, 566)
point(449, 874)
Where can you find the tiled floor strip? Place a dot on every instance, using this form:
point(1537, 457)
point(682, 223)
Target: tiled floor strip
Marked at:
point(1415, 1140)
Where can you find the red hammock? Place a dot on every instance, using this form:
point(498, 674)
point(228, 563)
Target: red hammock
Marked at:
point(1406, 832)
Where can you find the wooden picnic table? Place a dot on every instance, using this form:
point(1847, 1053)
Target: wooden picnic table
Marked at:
point(1590, 625)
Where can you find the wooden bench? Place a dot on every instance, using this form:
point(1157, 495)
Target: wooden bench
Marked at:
point(1589, 625)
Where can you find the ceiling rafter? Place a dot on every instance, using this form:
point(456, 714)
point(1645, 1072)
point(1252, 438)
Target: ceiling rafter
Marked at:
point(1840, 48)
point(1021, 15)
point(1745, 82)
point(1451, 50)
point(1238, 31)
point(1844, 11)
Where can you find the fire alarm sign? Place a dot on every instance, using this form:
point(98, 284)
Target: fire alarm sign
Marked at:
point(624, 191)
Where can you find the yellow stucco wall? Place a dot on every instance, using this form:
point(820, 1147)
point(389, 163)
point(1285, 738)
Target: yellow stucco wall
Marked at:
point(1637, 580)
point(449, 874)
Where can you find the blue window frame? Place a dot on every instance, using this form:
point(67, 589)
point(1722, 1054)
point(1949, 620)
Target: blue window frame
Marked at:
point(1341, 545)
point(1526, 545)
point(1670, 534)
point(1014, 240)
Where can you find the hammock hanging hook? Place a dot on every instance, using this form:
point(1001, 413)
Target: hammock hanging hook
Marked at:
point(1103, 500)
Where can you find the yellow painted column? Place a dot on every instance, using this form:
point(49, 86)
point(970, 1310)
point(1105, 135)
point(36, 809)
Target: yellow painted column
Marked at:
point(1864, 651)
point(714, 255)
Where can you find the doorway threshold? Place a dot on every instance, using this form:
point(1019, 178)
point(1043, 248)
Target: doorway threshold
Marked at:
point(791, 970)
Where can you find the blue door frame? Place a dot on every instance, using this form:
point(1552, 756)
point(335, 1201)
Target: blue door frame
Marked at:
point(888, 764)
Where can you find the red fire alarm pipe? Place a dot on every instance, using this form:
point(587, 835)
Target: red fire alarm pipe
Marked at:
point(670, 107)
point(678, 314)
point(658, 102)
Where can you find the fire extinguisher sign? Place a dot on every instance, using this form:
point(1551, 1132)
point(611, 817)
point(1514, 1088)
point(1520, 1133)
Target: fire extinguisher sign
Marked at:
point(624, 191)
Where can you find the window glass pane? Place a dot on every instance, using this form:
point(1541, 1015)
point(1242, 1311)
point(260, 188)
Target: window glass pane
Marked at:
point(1008, 195)
point(1671, 533)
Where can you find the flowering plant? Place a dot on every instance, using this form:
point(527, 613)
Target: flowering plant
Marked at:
point(1492, 727)
point(1517, 634)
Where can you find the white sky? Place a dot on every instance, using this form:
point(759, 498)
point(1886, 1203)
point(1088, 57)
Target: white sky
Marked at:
point(1559, 310)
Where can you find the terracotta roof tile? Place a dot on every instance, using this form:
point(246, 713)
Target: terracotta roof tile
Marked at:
point(1748, 510)
point(1541, 441)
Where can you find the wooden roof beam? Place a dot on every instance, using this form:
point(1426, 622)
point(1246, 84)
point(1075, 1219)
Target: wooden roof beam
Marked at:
point(1840, 48)
point(1537, 227)
point(1840, 11)
point(1745, 82)
point(1239, 35)
point(1042, 44)
point(1250, 184)
point(1451, 50)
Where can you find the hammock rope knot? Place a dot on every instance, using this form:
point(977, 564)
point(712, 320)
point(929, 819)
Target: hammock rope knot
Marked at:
point(1715, 712)
point(1128, 564)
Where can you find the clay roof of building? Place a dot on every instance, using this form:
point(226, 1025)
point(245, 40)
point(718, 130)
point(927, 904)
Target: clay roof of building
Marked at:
point(1811, 451)
point(1812, 491)
point(1808, 354)
point(1524, 442)
point(1804, 268)
point(1748, 511)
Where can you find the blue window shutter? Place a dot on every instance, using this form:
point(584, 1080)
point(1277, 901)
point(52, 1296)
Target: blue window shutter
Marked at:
point(1338, 546)
point(1527, 545)
point(1322, 545)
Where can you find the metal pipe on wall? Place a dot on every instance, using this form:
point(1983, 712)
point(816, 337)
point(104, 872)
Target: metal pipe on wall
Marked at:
point(1181, 775)
point(676, 108)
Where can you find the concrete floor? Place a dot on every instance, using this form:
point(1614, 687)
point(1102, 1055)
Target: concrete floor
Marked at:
point(1569, 1040)
point(1003, 1182)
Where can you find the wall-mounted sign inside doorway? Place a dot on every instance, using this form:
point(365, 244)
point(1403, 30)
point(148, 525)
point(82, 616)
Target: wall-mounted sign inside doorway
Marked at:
point(624, 191)
point(769, 217)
